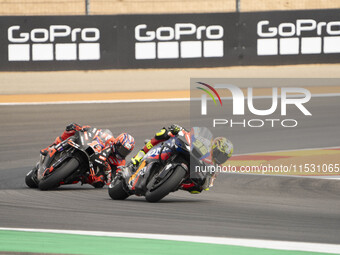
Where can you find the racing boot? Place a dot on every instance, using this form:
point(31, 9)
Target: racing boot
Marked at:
point(125, 173)
point(69, 131)
point(45, 151)
point(191, 187)
point(56, 142)
point(96, 181)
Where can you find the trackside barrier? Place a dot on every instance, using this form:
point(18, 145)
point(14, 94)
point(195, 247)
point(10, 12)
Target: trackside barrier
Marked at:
point(33, 43)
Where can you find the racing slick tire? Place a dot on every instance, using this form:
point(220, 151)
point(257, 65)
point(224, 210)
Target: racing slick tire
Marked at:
point(31, 180)
point(116, 190)
point(53, 180)
point(168, 186)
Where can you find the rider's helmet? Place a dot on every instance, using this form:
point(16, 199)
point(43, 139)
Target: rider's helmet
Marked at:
point(221, 150)
point(123, 145)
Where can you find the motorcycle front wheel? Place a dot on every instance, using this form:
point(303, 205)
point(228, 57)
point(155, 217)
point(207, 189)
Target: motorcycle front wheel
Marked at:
point(169, 185)
point(116, 190)
point(53, 180)
point(31, 180)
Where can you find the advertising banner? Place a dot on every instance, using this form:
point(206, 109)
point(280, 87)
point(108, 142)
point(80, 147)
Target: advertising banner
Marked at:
point(57, 43)
point(290, 37)
point(169, 40)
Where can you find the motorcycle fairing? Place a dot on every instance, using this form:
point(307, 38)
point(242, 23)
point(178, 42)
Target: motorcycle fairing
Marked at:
point(137, 181)
point(91, 145)
point(152, 162)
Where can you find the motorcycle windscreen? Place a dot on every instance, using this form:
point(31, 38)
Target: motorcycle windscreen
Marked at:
point(106, 134)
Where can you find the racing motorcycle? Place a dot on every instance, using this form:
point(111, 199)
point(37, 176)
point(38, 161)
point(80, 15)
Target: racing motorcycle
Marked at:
point(166, 166)
point(71, 161)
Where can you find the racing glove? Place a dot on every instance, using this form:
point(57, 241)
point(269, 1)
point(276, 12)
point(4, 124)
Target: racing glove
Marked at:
point(73, 126)
point(137, 159)
point(175, 129)
point(76, 127)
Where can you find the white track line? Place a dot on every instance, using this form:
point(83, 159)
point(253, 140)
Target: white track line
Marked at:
point(103, 101)
point(149, 100)
point(255, 243)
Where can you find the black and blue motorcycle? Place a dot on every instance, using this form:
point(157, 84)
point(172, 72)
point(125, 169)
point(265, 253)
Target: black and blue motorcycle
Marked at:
point(166, 166)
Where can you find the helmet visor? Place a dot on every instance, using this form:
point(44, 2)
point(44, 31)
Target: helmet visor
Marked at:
point(219, 156)
point(122, 151)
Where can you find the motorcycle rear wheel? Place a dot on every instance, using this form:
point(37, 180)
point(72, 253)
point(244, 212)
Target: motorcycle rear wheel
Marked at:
point(169, 185)
point(52, 180)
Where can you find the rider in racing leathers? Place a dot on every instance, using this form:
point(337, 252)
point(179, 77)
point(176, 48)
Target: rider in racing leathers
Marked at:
point(120, 148)
point(222, 150)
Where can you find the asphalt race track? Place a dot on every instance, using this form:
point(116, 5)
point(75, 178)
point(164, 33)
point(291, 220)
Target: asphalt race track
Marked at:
point(245, 206)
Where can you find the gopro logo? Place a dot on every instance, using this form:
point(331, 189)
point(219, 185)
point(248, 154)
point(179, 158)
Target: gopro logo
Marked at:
point(58, 42)
point(167, 42)
point(290, 39)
